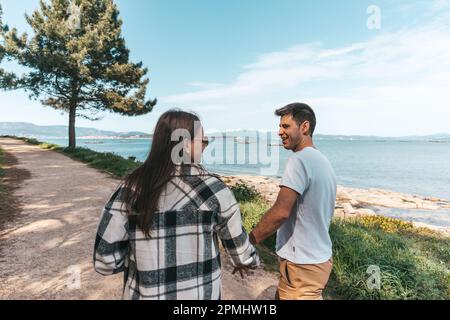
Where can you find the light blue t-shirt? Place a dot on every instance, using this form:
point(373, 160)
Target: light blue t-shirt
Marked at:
point(304, 238)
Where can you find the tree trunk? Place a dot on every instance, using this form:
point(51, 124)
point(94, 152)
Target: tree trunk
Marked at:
point(72, 116)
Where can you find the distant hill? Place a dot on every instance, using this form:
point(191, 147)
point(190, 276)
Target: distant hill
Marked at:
point(436, 137)
point(24, 129)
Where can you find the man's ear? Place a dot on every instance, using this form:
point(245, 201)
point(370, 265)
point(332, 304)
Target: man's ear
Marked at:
point(305, 128)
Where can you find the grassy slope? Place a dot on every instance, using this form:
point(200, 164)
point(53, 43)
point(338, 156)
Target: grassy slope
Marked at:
point(107, 162)
point(6, 200)
point(3, 195)
point(414, 262)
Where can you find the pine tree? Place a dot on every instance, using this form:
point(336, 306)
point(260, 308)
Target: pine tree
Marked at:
point(77, 61)
point(7, 79)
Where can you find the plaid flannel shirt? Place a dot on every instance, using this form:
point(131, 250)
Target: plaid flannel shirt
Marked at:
point(181, 260)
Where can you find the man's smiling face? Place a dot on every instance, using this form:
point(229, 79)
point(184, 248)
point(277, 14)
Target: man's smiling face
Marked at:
point(292, 135)
point(289, 132)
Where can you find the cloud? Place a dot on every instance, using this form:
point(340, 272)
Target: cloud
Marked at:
point(439, 5)
point(404, 69)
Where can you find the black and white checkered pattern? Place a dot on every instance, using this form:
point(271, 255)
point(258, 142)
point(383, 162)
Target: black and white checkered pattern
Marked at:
point(181, 260)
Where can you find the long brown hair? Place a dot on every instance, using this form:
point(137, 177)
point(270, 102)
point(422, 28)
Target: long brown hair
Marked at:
point(142, 188)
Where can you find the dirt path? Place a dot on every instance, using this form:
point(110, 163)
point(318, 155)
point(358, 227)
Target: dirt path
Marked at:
point(51, 234)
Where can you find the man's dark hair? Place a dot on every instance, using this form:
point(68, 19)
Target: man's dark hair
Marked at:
point(301, 112)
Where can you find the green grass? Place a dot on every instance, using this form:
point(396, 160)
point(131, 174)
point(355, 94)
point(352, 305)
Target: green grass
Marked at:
point(244, 193)
point(4, 203)
point(414, 262)
point(107, 162)
point(2, 159)
point(252, 211)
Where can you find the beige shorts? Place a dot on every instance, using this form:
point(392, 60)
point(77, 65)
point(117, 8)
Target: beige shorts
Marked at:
point(302, 281)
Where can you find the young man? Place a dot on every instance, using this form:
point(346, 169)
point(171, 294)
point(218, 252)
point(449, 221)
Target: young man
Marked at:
point(302, 211)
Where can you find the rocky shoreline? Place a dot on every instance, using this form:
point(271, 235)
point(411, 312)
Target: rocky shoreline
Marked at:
point(353, 202)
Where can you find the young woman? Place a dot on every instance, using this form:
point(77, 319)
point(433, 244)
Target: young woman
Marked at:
point(161, 226)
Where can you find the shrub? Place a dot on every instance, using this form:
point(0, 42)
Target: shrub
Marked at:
point(244, 193)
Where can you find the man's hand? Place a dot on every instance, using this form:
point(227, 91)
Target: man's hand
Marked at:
point(243, 270)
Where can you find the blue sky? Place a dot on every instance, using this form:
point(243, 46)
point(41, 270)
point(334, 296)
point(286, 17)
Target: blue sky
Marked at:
point(234, 62)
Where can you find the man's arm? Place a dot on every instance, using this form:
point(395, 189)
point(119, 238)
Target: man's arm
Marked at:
point(276, 215)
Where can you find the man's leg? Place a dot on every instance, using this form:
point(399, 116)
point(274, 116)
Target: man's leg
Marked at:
point(302, 282)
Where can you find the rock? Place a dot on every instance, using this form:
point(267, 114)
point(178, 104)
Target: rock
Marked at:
point(348, 209)
point(343, 195)
point(354, 203)
point(419, 203)
point(365, 212)
point(433, 199)
point(430, 207)
point(339, 213)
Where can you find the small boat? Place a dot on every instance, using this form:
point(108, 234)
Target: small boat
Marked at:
point(242, 140)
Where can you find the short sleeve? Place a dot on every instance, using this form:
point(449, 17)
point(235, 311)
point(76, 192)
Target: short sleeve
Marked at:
point(295, 175)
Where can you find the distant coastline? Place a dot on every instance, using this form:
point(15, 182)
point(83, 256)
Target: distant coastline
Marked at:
point(31, 130)
point(113, 138)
